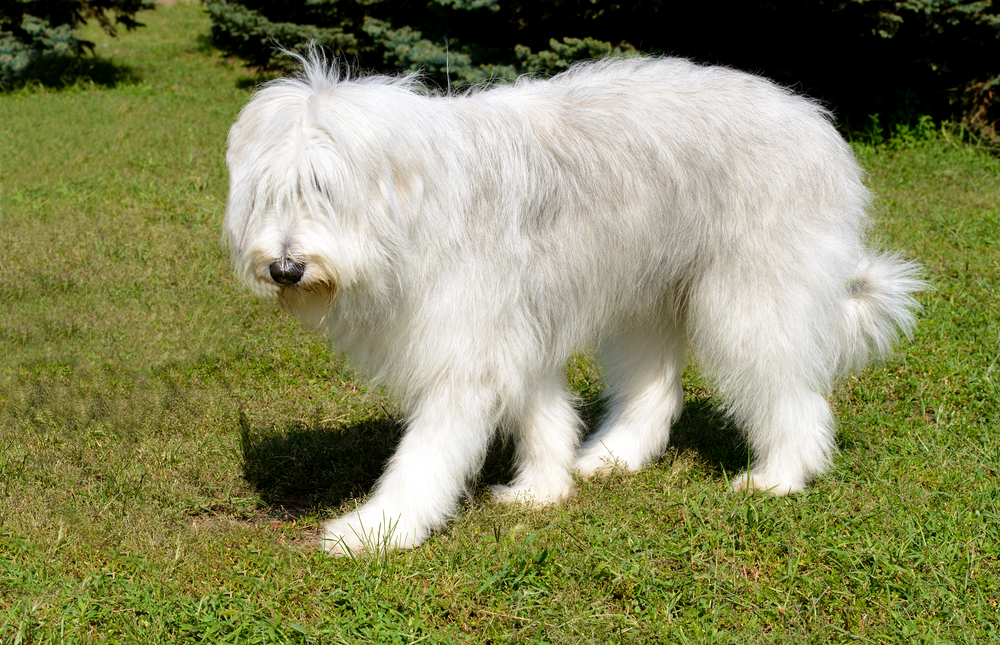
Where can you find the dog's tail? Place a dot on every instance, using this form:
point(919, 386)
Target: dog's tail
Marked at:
point(879, 305)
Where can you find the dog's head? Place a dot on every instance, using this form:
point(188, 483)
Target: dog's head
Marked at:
point(310, 212)
point(282, 224)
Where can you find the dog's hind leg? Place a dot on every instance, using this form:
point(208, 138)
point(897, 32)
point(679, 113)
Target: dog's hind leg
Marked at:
point(791, 439)
point(448, 433)
point(763, 348)
point(546, 434)
point(646, 398)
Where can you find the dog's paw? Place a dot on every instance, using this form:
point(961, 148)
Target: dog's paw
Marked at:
point(359, 532)
point(754, 481)
point(529, 495)
point(600, 461)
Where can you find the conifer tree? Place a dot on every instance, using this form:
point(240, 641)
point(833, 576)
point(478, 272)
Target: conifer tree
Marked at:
point(858, 56)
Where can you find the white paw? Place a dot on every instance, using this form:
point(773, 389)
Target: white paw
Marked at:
point(359, 532)
point(756, 481)
point(531, 496)
point(598, 460)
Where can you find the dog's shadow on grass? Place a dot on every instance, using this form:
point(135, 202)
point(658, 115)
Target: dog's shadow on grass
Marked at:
point(316, 466)
point(704, 429)
point(307, 466)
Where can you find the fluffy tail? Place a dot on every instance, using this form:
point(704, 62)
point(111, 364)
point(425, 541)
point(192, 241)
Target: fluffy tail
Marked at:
point(879, 305)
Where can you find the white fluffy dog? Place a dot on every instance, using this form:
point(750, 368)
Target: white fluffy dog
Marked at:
point(460, 248)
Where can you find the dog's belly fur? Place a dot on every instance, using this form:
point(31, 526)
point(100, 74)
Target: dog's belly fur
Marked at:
point(460, 248)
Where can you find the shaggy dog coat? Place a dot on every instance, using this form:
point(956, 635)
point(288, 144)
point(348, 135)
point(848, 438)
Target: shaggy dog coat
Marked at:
point(460, 248)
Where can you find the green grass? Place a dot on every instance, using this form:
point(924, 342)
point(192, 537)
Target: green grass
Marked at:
point(169, 445)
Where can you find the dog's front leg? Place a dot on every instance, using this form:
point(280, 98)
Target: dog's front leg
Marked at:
point(444, 446)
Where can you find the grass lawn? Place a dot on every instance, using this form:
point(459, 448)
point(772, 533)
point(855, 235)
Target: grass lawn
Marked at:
point(169, 445)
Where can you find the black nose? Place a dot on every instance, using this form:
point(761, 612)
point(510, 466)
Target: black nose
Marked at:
point(287, 271)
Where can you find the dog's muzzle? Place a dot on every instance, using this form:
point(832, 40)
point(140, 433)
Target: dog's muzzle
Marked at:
point(287, 271)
